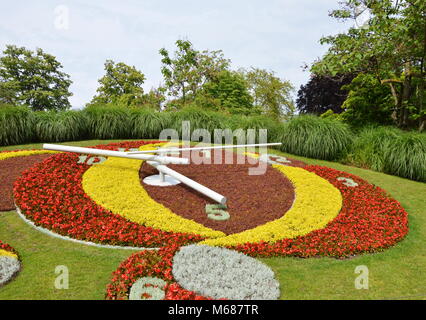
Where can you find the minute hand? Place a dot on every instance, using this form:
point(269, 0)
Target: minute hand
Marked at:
point(206, 148)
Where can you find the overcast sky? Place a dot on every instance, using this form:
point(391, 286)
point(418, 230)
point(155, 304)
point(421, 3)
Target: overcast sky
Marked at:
point(275, 35)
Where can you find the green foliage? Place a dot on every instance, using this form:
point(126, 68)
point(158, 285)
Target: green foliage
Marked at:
point(390, 46)
point(17, 125)
point(367, 102)
point(370, 145)
point(33, 79)
point(271, 94)
point(315, 137)
point(52, 126)
point(148, 123)
point(407, 157)
point(257, 123)
point(390, 150)
point(227, 93)
point(198, 118)
point(121, 85)
point(107, 122)
point(188, 70)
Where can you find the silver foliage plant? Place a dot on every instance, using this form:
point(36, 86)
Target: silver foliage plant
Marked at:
point(155, 289)
point(9, 266)
point(222, 273)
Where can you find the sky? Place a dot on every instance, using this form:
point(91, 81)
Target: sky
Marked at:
point(275, 35)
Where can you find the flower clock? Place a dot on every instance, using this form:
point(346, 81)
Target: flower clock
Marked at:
point(196, 248)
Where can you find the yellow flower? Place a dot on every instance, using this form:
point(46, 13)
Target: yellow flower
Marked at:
point(317, 203)
point(7, 155)
point(4, 253)
point(115, 185)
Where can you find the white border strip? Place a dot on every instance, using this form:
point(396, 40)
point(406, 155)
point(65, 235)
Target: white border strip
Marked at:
point(88, 243)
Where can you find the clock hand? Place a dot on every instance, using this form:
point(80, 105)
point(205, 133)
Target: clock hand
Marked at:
point(189, 182)
point(119, 154)
point(205, 148)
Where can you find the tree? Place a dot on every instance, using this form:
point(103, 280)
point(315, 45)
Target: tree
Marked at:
point(367, 102)
point(323, 93)
point(189, 70)
point(391, 46)
point(228, 92)
point(33, 79)
point(270, 94)
point(121, 85)
point(154, 99)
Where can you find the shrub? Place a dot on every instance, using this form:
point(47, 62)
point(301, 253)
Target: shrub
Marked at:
point(16, 125)
point(108, 122)
point(54, 126)
point(370, 145)
point(198, 118)
point(390, 150)
point(315, 137)
point(148, 123)
point(256, 122)
point(407, 157)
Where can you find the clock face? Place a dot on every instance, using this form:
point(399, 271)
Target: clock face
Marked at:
point(293, 208)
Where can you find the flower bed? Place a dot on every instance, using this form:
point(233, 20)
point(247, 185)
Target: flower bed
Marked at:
point(334, 214)
point(51, 195)
point(317, 203)
point(9, 263)
point(218, 272)
point(369, 221)
point(22, 153)
point(224, 274)
point(12, 164)
point(153, 264)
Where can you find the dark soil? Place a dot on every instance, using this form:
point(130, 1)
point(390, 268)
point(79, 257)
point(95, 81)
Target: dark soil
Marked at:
point(10, 170)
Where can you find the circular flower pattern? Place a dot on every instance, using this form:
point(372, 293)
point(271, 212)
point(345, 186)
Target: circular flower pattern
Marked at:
point(369, 221)
point(334, 213)
point(51, 195)
point(148, 264)
point(223, 273)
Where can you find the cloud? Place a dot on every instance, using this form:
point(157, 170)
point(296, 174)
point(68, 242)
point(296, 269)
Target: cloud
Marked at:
point(276, 35)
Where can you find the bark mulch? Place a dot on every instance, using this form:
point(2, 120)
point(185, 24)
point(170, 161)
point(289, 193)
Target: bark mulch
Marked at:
point(253, 200)
point(10, 170)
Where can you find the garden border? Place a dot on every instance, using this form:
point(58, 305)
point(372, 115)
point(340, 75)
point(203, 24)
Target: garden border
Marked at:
point(88, 243)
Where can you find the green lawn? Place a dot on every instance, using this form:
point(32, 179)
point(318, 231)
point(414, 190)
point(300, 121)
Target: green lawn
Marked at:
point(397, 273)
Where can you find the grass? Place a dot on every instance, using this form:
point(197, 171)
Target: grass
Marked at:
point(60, 126)
point(108, 122)
point(315, 137)
point(390, 150)
point(17, 125)
point(397, 273)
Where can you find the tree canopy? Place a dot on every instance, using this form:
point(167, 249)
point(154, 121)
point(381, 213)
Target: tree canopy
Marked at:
point(227, 92)
point(271, 94)
point(323, 93)
point(391, 46)
point(34, 79)
point(121, 85)
point(186, 73)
